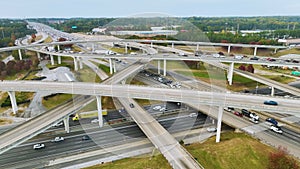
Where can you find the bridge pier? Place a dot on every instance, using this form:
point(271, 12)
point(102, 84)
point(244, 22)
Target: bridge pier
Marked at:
point(52, 59)
point(172, 45)
point(110, 66)
point(20, 54)
point(38, 55)
point(67, 125)
point(228, 50)
point(151, 45)
point(80, 63)
point(13, 101)
point(99, 108)
point(275, 51)
point(75, 64)
point(197, 48)
point(165, 67)
point(272, 91)
point(219, 124)
point(59, 59)
point(158, 66)
point(93, 47)
point(126, 50)
point(58, 47)
point(255, 51)
point(114, 66)
point(230, 73)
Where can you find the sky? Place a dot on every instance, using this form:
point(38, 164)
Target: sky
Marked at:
point(125, 8)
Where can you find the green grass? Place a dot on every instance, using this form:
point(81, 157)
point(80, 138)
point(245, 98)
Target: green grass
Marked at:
point(287, 51)
point(56, 100)
point(106, 69)
point(281, 79)
point(87, 75)
point(235, 151)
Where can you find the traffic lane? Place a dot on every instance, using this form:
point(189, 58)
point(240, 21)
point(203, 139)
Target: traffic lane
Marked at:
point(103, 139)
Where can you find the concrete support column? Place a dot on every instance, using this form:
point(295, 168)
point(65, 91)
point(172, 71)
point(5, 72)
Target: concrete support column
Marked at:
point(20, 54)
point(58, 47)
point(230, 73)
point(38, 55)
point(126, 50)
point(172, 45)
point(67, 125)
point(197, 47)
point(52, 59)
point(110, 66)
point(255, 51)
point(219, 124)
point(75, 64)
point(93, 47)
point(158, 66)
point(114, 66)
point(272, 91)
point(229, 47)
point(59, 59)
point(275, 51)
point(151, 45)
point(13, 101)
point(165, 67)
point(80, 63)
point(99, 108)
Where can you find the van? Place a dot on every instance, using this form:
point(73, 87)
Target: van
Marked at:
point(272, 121)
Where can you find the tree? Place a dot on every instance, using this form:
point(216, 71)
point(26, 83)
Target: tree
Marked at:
point(281, 160)
point(250, 68)
point(242, 67)
point(2, 65)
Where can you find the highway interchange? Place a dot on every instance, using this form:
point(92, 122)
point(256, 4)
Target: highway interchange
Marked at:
point(121, 90)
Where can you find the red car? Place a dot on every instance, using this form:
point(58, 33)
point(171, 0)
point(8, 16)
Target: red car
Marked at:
point(238, 113)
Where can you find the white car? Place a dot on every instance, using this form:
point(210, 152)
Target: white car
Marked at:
point(253, 120)
point(162, 109)
point(95, 121)
point(58, 124)
point(254, 116)
point(58, 139)
point(211, 129)
point(193, 115)
point(38, 146)
point(156, 107)
point(276, 129)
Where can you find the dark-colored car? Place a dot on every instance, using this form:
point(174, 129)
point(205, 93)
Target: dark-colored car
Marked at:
point(131, 105)
point(246, 112)
point(254, 58)
point(270, 102)
point(238, 113)
point(85, 137)
point(272, 121)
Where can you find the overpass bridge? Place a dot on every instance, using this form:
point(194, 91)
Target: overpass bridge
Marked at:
point(254, 102)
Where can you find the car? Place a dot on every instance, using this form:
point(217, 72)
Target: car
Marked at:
point(254, 116)
point(253, 120)
point(276, 129)
point(295, 61)
point(271, 102)
point(156, 107)
point(238, 113)
point(254, 58)
point(38, 146)
point(58, 124)
point(193, 115)
point(95, 121)
point(246, 112)
point(58, 139)
point(131, 105)
point(211, 129)
point(86, 137)
point(162, 109)
point(272, 121)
